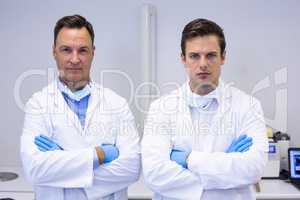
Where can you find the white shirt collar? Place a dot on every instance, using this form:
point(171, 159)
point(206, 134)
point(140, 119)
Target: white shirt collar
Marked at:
point(78, 95)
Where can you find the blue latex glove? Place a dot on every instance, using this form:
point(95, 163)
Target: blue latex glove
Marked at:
point(240, 144)
point(44, 143)
point(111, 152)
point(179, 157)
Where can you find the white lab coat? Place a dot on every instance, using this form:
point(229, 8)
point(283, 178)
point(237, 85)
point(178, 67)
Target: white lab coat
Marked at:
point(211, 174)
point(108, 120)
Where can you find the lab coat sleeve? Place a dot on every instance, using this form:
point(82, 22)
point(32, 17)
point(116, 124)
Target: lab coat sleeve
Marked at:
point(219, 170)
point(123, 171)
point(162, 175)
point(65, 169)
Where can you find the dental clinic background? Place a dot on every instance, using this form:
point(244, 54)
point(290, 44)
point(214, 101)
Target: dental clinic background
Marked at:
point(263, 47)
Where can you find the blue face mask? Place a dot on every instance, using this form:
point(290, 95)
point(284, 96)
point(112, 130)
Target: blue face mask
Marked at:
point(82, 93)
point(77, 95)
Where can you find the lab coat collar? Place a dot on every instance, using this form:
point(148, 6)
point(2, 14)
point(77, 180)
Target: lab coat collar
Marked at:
point(60, 105)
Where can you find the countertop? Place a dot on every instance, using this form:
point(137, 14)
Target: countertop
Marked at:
point(270, 189)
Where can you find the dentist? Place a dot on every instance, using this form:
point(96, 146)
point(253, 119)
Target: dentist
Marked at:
point(206, 140)
point(79, 139)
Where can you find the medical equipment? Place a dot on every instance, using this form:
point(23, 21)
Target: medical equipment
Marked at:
point(273, 164)
point(283, 140)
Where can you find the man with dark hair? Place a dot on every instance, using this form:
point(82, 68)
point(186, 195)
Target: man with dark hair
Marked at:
point(74, 21)
point(79, 139)
point(206, 140)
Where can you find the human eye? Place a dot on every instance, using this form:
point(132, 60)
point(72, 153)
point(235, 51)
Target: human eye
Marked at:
point(194, 56)
point(83, 50)
point(211, 56)
point(66, 50)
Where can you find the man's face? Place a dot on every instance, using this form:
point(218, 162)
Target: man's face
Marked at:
point(73, 51)
point(203, 62)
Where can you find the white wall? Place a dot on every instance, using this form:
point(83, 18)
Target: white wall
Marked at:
point(262, 37)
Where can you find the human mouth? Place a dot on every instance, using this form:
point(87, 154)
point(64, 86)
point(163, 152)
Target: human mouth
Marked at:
point(73, 69)
point(203, 75)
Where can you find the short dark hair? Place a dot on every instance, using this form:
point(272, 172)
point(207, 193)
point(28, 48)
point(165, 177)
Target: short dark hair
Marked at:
point(73, 21)
point(202, 27)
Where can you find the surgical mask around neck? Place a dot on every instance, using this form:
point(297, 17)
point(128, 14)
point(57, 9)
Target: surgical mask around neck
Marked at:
point(200, 101)
point(77, 95)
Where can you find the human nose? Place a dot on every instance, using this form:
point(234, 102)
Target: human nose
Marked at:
point(75, 58)
point(203, 63)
